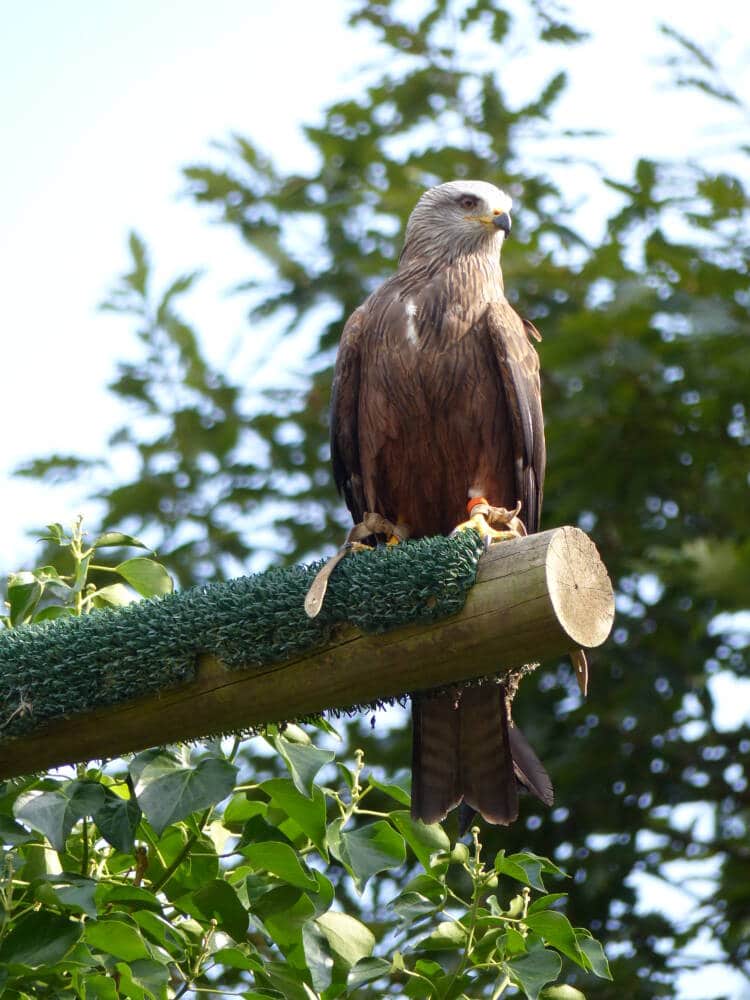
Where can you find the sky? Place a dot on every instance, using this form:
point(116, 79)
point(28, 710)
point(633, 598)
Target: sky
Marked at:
point(101, 104)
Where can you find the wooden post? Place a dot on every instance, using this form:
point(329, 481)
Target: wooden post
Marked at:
point(535, 598)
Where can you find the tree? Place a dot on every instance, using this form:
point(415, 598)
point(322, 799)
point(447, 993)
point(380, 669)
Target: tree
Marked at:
point(646, 385)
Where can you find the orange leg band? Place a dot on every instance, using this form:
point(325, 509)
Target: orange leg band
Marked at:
point(473, 503)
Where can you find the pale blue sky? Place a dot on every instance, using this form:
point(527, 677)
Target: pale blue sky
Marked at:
point(102, 103)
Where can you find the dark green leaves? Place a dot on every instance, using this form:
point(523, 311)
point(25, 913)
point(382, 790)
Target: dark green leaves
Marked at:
point(41, 938)
point(168, 790)
point(303, 760)
point(533, 971)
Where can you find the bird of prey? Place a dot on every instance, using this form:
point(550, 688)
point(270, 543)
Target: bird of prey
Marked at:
point(436, 407)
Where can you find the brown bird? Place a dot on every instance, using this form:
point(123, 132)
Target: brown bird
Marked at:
point(436, 403)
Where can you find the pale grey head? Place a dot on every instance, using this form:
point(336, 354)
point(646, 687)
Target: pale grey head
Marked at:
point(456, 219)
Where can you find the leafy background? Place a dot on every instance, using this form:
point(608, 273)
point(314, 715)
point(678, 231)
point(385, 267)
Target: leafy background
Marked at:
point(645, 365)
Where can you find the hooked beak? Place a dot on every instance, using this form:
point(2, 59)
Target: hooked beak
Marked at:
point(501, 220)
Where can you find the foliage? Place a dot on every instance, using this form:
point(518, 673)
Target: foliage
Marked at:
point(173, 873)
point(44, 594)
point(646, 385)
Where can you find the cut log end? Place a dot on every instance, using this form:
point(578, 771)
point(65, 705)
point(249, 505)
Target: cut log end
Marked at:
point(579, 587)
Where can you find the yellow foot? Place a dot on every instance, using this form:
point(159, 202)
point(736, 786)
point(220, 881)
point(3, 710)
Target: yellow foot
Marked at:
point(494, 524)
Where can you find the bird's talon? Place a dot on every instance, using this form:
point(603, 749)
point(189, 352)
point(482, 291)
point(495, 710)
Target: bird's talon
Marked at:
point(359, 547)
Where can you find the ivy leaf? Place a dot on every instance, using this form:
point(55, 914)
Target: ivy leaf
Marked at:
point(309, 813)
point(367, 970)
point(67, 889)
point(148, 577)
point(54, 812)
point(280, 860)
point(395, 791)
point(218, 900)
point(40, 938)
point(115, 937)
point(100, 987)
point(303, 761)
point(115, 595)
point(143, 978)
point(317, 956)
point(168, 791)
point(534, 970)
point(561, 992)
point(116, 539)
point(556, 930)
point(23, 593)
point(49, 812)
point(545, 902)
point(592, 949)
point(425, 840)
point(117, 820)
point(371, 849)
point(447, 935)
point(348, 939)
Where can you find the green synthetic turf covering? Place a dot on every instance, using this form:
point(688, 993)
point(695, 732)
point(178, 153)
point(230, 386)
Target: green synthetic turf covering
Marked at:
point(72, 665)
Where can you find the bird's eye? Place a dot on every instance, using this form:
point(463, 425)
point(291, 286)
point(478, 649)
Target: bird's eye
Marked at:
point(468, 201)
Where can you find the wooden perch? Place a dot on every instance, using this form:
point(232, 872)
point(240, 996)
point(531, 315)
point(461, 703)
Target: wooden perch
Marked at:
point(535, 598)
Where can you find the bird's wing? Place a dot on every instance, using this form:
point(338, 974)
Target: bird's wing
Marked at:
point(347, 470)
point(518, 364)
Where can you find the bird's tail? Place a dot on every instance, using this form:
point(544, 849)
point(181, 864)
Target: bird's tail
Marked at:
point(467, 750)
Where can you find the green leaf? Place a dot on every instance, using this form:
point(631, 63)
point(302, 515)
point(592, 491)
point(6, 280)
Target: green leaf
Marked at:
point(23, 593)
point(69, 890)
point(562, 992)
point(116, 539)
point(40, 939)
point(100, 987)
point(133, 896)
point(534, 970)
point(371, 849)
point(117, 820)
point(556, 930)
point(167, 791)
point(348, 939)
point(425, 840)
point(317, 956)
point(367, 970)
point(218, 900)
point(13, 833)
point(143, 978)
point(303, 761)
point(515, 942)
point(526, 868)
point(592, 949)
point(162, 932)
point(48, 812)
point(146, 576)
point(114, 595)
point(397, 792)
point(309, 813)
point(235, 958)
point(115, 937)
point(545, 902)
point(280, 860)
point(447, 935)
point(54, 812)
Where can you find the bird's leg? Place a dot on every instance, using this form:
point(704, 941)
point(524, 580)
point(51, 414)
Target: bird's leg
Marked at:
point(370, 525)
point(494, 524)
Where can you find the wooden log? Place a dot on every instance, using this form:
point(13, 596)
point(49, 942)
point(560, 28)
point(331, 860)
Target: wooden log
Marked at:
point(535, 598)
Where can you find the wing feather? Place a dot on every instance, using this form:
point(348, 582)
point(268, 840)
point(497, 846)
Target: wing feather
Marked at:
point(518, 363)
point(345, 457)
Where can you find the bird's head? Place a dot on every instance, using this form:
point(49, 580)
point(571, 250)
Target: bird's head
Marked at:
point(457, 218)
